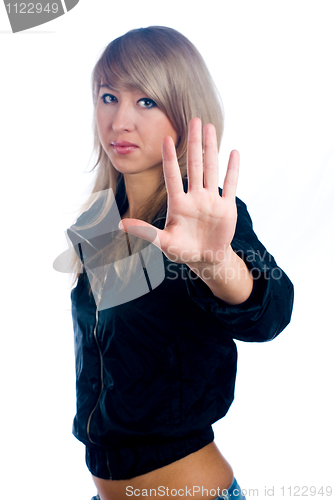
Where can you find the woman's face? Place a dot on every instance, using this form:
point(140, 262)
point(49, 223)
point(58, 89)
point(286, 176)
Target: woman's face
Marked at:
point(131, 129)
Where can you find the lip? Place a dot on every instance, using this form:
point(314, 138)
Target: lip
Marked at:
point(123, 147)
point(123, 144)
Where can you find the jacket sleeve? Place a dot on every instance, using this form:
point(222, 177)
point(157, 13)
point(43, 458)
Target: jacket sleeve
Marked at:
point(268, 309)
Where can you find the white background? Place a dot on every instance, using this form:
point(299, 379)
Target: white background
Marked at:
point(273, 65)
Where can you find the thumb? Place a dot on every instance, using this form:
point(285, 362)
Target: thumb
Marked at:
point(142, 230)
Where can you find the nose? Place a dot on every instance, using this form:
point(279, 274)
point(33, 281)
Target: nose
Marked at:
point(123, 118)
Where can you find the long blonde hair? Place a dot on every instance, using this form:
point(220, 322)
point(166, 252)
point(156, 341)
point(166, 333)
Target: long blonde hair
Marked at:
point(166, 66)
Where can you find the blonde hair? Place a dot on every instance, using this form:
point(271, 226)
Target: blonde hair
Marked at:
point(167, 67)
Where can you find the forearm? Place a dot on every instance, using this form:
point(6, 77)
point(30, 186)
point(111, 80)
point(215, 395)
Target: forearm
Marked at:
point(230, 280)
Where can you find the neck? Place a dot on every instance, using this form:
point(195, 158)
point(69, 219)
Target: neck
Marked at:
point(140, 187)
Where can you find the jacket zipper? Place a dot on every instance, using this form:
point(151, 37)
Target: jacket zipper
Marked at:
point(101, 362)
point(95, 336)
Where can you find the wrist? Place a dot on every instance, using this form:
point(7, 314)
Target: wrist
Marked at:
point(209, 269)
point(229, 279)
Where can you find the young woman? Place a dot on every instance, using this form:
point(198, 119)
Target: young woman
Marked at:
point(169, 271)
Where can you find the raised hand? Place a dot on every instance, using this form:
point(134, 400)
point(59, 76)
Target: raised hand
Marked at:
point(200, 224)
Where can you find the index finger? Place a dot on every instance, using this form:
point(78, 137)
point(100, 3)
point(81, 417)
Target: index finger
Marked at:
point(171, 168)
point(231, 177)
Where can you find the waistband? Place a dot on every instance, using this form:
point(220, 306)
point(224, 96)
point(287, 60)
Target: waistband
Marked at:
point(132, 461)
point(234, 492)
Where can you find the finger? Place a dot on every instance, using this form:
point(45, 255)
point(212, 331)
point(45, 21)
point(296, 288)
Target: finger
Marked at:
point(211, 168)
point(231, 177)
point(195, 155)
point(142, 230)
point(173, 179)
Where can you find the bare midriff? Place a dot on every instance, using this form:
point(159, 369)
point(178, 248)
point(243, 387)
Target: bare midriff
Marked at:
point(203, 474)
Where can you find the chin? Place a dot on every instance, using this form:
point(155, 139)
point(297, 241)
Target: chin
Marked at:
point(122, 169)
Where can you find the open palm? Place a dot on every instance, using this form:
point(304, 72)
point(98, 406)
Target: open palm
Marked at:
point(200, 224)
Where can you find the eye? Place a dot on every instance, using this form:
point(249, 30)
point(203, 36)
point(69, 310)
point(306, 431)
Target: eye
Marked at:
point(106, 100)
point(147, 103)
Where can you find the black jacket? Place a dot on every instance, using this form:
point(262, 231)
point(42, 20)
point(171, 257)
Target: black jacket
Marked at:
point(154, 373)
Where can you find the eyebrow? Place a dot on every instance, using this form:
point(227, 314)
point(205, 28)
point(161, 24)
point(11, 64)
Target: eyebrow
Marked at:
point(105, 85)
